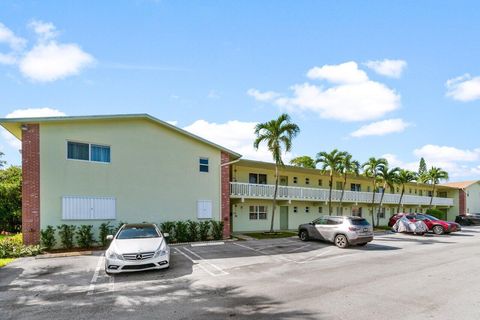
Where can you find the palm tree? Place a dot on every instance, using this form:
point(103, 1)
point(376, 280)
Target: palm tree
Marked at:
point(371, 169)
point(303, 161)
point(434, 176)
point(404, 177)
point(348, 166)
point(278, 135)
point(388, 177)
point(331, 163)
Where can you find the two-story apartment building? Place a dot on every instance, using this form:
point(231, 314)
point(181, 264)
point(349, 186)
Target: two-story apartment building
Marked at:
point(135, 168)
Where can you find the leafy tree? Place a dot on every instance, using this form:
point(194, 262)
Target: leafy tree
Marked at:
point(330, 162)
point(371, 168)
point(434, 176)
point(404, 177)
point(11, 199)
point(422, 171)
point(278, 135)
point(348, 166)
point(388, 178)
point(303, 161)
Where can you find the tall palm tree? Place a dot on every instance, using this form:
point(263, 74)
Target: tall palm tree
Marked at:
point(278, 135)
point(388, 178)
point(434, 176)
point(330, 162)
point(371, 169)
point(404, 177)
point(348, 166)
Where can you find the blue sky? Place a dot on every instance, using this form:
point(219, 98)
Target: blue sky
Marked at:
point(379, 78)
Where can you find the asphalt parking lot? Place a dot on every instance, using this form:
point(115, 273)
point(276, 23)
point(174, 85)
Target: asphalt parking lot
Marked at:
point(396, 276)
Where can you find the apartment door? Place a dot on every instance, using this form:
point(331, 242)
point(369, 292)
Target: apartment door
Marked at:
point(283, 181)
point(283, 218)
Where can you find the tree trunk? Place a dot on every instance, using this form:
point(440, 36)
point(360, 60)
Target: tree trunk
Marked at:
point(274, 198)
point(373, 203)
point(330, 196)
point(380, 207)
point(343, 192)
point(431, 198)
point(400, 202)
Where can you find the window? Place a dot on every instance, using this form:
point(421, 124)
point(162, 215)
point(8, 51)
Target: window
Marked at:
point(88, 208)
point(320, 182)
point(295, 179)
point(257, 178)
point(355, 187)
point(334, 221)
point(429, 193)
point(320, 209)
point(258, 212)
point(88, 152)
point(204, 209)
point(357, 211)
point(321, 220)
point(339, 211)
point(410, 190)
point(339, 185)
point(381, 213)
point(307, 180)
point(415, 191)
point(295, 209)
point(307, 209)
point(203, 163)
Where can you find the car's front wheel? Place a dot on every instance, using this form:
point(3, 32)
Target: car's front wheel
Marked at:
point(304, 235)
point(438, 230)
point(341, 241)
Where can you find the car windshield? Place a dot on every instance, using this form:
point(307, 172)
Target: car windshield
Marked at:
point(138, 232)
point(430, 217)
point(359, 222)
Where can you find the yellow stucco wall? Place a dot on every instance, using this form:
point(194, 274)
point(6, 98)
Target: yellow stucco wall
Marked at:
point(154, 171)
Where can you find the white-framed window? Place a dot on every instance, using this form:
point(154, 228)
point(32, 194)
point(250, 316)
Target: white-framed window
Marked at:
point(88, 208)
point(320, 209)
point(204, 209)
point(307, 209)
point(257, 178)
point(258, 213)
point(203, 164)
point(88, 152)
point(295, 209)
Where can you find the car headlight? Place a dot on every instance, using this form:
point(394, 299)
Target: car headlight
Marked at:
point(113, 255)
point(163, 250)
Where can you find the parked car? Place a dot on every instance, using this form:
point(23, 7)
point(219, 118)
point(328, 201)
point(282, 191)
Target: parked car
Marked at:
point(405, 225)
point(470, 219)
point(435, 225)
point(137, 247)
point(341, 230)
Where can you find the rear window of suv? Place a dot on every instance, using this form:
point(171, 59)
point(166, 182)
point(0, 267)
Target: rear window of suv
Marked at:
point(359, 222)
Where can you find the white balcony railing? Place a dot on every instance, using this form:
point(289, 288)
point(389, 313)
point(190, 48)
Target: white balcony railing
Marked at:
point(265, 191)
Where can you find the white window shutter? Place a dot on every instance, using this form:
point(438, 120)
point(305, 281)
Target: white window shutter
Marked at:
point(204, 209)
point(88, 208)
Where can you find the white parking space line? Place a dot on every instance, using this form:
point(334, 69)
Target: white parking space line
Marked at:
point(95, 275)
point(209, 263)
point(315, 256)
point(196, 262)
point(261, 253)
point(112, 283)
point(299, 248)
point(207, 244)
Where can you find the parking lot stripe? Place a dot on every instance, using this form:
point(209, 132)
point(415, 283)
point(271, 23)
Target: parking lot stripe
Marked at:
point(112, 283)
point(315, 256)
point(209, 263)
point(95, 275)
point(299, 248)
point(195, 262)
point(207, 244)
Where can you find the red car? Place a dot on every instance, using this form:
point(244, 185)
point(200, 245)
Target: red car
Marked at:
point(436, 225)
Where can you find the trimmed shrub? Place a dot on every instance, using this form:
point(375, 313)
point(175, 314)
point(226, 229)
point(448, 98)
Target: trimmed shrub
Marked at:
point(66, 233)
point(217, 229)
point(193, 234)
point(12, 247)
point(85, 236)
point(181, 231)
point(168, 227)
point(439, 214)
point(105, 230)
point(204, 229)
point(48, 237)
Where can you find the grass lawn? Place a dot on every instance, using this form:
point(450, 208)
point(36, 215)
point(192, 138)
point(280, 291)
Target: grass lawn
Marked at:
point(5, 261)
point(267, 235)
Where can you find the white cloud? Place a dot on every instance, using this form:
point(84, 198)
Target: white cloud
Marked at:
point(464, 88)
point(235, 135)
point(347, 72)
point(53, 61)
point(386, 67)
point(173, 122)
point(8, 37)
point(213, 94)
point(262, 96)
point(48, 60)
point(445, 153)
point(381, 128)
point(27, 113)
point(351, 96)
point(393, 161)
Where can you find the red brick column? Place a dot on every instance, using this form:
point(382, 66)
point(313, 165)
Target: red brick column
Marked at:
point(225, 190)
point(31, 184)
point(462, 202)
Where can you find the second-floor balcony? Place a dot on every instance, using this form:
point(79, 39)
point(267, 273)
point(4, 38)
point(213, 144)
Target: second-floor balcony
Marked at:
point(265, 191)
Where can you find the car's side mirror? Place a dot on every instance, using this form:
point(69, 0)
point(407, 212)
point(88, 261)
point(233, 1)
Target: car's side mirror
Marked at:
point(166, 235)
point(109, 237)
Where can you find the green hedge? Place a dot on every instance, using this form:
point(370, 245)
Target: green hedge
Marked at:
point(12, 247)
point(439, 214)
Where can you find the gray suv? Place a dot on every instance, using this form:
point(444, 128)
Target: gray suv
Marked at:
point(341, 230)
